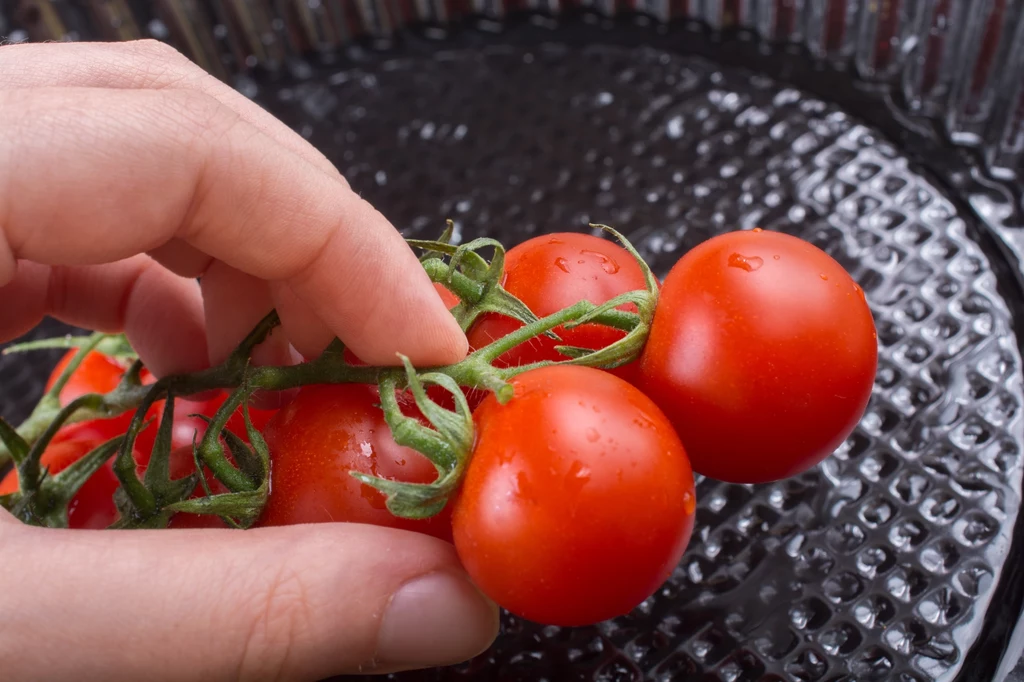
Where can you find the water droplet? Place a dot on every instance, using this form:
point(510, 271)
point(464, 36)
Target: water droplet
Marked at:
point(555, 240)
point(366, 450)
point(593, 435)
point(757, 229)
point(824, 277)
point(689, 503)
point(776, 257)
point(562, 264)
point(744, 263)
point(577, 476)
point(607, 264)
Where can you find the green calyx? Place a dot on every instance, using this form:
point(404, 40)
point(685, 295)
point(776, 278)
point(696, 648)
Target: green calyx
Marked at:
point(241, 466)
point(446, 442)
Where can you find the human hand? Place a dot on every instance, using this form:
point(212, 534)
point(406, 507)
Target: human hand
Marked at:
point(126, 172)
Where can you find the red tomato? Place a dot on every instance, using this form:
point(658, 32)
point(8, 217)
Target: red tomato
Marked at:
point(450, 300)
point(93, 506)
point(578, 501)
point(187, 427)
point(553, 272)
point(98, 373)
point(762, 353)
point(321, 435)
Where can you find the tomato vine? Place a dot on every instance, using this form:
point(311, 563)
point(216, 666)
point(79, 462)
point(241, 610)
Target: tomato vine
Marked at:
point(242, 467)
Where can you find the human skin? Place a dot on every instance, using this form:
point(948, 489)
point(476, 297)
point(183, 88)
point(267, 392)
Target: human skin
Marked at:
point(125, 173)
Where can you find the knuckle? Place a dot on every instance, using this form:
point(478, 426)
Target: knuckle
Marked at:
point(157, 50)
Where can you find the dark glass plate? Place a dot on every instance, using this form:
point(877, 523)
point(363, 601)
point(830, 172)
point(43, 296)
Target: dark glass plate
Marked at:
point(895, 559)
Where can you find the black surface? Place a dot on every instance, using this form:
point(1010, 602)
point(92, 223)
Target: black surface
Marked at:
point(894, 560)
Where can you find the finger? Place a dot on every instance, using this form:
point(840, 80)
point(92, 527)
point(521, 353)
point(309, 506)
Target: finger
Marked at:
point(134, 169)
point(139, 65)
point(307, 333)
point(234, 303)
point(161, 313)
point(182, 258)
point(302, 602)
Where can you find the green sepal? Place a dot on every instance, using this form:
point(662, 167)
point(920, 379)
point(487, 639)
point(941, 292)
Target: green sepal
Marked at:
point(445, 238)
point(17, 446)
point(114, 345)
point(244, 507)
point(46, 504)
point(447, 444)
point(212, 452)
point(158, 469)
point(573, 351)
point(408, 500)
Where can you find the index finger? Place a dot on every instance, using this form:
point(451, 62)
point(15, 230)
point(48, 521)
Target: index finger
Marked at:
point(93, 175)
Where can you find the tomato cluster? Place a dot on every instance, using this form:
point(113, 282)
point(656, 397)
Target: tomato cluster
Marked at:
point(578, 499)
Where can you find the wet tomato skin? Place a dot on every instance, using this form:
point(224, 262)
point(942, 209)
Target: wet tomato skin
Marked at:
point(578, 501)
point(321, 435)
point(762, 353)
point(552, 272)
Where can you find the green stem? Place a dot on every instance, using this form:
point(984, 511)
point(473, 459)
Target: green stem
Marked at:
point(212, 452)
point(467, 289)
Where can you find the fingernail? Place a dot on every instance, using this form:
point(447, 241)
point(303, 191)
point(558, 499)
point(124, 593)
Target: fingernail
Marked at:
point(436, 619)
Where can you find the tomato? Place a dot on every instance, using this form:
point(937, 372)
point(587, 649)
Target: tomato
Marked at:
point(578, 501)
point(553, 272)
point(449, 299)
point(187, 427)
point(98, 373)
point(181, 464)
point(93, 505)
point(321, 435)
point(762, 353)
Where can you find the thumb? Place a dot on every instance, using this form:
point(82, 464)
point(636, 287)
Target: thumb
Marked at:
point(292, 603)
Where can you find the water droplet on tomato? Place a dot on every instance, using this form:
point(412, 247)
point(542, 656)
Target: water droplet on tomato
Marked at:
point(365, 449)
point(742, 262)
point(777, 257)
point(607, 264)
point(757, 229)
point(824, 277)
point(689, 503)
point(592, 435)
point(577, 477)
point(562, 264)
point(555, 240)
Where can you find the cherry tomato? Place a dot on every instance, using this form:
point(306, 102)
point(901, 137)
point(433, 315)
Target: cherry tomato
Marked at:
point(321, 435)
point(762, 353)
point(93, 506)
point(187, 426)
point(578, 501)
point(449, 299)
point(553, 272)
point(98, 373)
